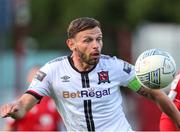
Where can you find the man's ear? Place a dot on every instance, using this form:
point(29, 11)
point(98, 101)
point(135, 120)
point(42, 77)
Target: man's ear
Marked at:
point(70, 43)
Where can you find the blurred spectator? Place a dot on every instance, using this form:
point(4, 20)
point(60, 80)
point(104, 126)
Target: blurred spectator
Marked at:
point(166, 123)
point(42, 117)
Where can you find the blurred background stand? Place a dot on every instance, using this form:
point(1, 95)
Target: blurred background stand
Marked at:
point(21, 22)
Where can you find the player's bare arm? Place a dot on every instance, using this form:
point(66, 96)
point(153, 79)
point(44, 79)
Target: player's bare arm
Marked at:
point(162, 100)
point(18, 108)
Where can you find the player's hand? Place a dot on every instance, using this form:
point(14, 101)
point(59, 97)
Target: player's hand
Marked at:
point(11, 110)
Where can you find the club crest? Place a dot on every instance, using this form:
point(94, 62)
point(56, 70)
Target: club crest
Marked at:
point(103, 77)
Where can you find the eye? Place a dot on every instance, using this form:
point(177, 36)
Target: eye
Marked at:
point(99, 39)
point(87, 40)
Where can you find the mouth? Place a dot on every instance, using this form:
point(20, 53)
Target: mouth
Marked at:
point(96, 55)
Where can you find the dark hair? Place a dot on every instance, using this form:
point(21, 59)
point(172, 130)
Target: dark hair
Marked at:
point(81, 24)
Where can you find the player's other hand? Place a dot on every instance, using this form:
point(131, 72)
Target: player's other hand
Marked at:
point(11, 110)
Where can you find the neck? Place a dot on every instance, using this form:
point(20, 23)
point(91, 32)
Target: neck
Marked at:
point(80, 65)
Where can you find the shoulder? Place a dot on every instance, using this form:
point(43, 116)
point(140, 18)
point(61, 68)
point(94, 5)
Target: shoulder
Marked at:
point(57, 62)
point(108, 58)
point(176, 82)
point(117, 64)
point(54, 64)
point(58, 59)
point(113, 60)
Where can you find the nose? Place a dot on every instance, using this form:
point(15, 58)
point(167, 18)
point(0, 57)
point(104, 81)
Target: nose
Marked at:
point(96, 45)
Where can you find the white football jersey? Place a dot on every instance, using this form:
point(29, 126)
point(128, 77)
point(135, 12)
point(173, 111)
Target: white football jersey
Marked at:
point(87, 101)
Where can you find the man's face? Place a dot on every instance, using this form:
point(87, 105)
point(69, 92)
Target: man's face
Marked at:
point(88, 45)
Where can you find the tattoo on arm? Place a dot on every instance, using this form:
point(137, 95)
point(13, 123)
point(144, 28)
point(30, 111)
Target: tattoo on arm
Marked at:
point(144, 92)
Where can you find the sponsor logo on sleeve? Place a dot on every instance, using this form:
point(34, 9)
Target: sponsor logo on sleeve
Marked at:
point(40, 76)
point(127, 67)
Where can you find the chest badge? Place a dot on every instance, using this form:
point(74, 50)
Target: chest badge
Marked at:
point(103, 77)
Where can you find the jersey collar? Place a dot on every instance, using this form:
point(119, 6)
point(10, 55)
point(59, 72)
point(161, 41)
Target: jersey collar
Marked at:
point(72, 65)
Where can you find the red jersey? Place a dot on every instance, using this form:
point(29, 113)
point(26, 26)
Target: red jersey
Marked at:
point(166, 124)
point(175, 91)
point(42, 117)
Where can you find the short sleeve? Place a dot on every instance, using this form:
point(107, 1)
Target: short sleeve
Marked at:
point(125, 71)
point(41, 82)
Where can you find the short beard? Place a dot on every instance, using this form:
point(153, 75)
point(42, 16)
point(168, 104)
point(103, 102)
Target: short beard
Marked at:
point(86, 58)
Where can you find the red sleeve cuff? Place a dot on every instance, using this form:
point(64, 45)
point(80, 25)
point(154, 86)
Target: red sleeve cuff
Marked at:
point(36, 95)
